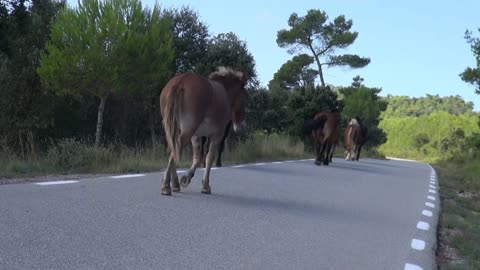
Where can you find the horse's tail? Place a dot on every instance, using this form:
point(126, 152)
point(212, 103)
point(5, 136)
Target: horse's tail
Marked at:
point(318, 123)
point(171, 121)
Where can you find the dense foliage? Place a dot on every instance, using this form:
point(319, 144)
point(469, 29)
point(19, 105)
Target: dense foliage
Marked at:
point(98, 69)
point(432, 133)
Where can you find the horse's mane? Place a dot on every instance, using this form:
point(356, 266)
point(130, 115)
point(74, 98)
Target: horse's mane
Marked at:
point(354, 121)
point(359, 120)
point(226, 72)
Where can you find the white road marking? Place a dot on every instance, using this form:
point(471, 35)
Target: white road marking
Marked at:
point(238, 166)
point(56, 182)
point(277, 162)
point(433, 187)
point(289, 161)
point(259, 164)
point(401, 159)
point(431, 198)
point(418, 244)
point(432, 191)
point(423, 226)
point(427, 213)
point(429, 204)
point(409, 266)
point(126, 176)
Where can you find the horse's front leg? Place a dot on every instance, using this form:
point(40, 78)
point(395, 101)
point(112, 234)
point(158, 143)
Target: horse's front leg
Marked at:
point(358, 152)
point(214, 144)
point(197, 145)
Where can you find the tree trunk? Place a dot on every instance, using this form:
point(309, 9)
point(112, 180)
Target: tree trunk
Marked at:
point(320, 73)
point(101, 109)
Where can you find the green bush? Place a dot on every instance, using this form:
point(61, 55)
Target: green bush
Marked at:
point(75, 155)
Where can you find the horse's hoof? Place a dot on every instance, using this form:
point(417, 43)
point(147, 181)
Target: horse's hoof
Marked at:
point(206, 189)
point(184, 181)
point(166, 191)
point(176, 188)
point(318, 163)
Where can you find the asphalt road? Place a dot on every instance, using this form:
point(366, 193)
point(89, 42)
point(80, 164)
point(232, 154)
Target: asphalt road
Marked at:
point(290, 215)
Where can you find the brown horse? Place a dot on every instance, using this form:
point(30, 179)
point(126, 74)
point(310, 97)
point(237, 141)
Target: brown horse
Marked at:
point(356, 135)
point(324, 131)
point(193, 107)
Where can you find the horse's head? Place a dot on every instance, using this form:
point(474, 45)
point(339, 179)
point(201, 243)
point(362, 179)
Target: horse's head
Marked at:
point(234, 82)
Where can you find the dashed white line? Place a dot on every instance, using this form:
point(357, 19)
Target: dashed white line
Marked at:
point(432, 187)
point(432, 191)
point(238, 166)
point(259, 164)
point(56, 182)
point(431, 198)
point(127, 176)
point(409, 266)
point(427, 213)
point(418, 244)
point(429, 204)
point(423, 226)
point(277, 162)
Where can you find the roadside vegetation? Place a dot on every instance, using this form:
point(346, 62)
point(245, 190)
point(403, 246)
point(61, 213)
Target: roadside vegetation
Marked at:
point(76, 101)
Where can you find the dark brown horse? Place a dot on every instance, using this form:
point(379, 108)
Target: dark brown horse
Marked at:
point(324, 131)
point(356, 134)
point(193, 107)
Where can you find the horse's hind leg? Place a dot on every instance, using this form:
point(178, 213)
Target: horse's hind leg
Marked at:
point(327, 150)
point(318, 151)
point(166, 190)
point(331, 153)
point(197, 144)
point(174, 178)
point(214, 143)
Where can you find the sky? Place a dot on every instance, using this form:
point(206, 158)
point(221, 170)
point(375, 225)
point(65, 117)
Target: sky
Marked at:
point(416, 47)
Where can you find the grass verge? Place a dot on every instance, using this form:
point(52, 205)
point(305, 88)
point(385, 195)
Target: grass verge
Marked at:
point(77, 157)
point(459, 225)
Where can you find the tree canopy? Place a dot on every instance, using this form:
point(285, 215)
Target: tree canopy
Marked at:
point(472, 75)
point(226, 49)
point(403, 106)
point(89, 48)
point(295, 73)
point(321, 39)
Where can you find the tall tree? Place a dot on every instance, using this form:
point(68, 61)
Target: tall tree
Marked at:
point(294, 73)
point(472, 75)
point(227, 49)
point(190, 38)
point(322, 39)
point(91, 48)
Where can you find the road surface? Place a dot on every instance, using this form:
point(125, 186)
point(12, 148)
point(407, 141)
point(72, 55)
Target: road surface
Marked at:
point(370, 214)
